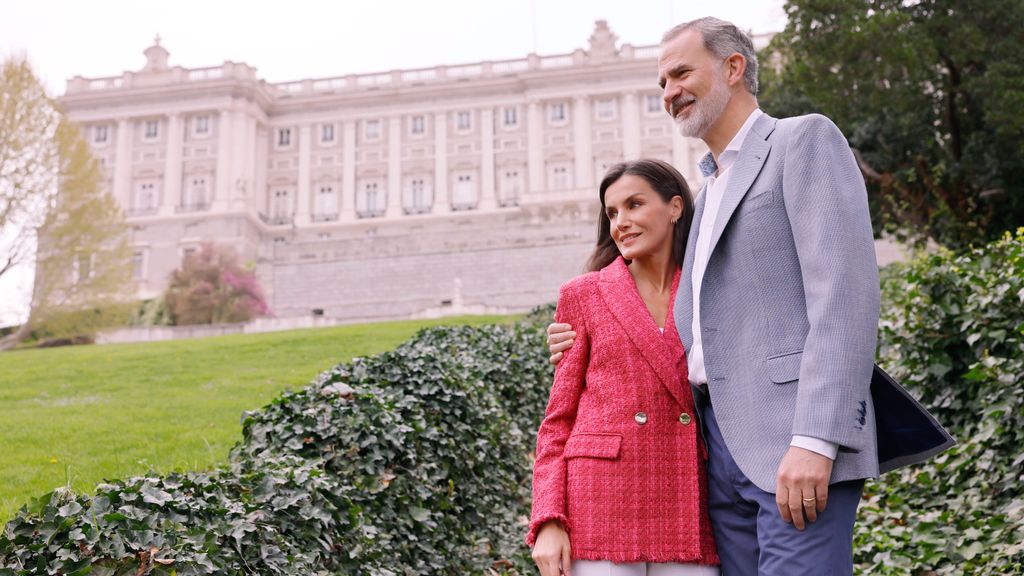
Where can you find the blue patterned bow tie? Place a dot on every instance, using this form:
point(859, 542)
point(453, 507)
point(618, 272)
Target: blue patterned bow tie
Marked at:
point(707, 165)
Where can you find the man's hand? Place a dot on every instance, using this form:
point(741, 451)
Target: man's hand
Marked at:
point(801, 487)
point(560, 339)
point(551, 550)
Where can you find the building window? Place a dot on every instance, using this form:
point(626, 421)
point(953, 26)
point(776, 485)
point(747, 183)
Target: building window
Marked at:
point(560, 179)
point(326, 204)
point(145, 198)
point(138, 265)
point(327, 133)
point(284, 137)
point(196, 198)
point(417, 125)
point(463, 121)
point(82, 267)
point(601, 168)
point(606, 109)
point(100, 134)
point(152, 129)
point(372, 129)
point(202, 125)
point(511, 188)
point(652, 104)
point(556, 113)
point(464, 194)
point(372, 203)
point(417, 202)
point(511, 117)
point(280, 208)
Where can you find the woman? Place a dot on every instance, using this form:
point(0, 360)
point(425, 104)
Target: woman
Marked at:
point(618, 484)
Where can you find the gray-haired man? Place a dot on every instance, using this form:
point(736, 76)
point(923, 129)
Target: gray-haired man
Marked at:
point(779, 316)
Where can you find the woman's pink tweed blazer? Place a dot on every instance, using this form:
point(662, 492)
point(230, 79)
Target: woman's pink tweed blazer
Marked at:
point(620, 460)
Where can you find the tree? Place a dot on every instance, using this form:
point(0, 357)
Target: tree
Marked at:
point(212, 287)
point(59, 217)
point(28, 124)
point(931, 96)
point(83, 259)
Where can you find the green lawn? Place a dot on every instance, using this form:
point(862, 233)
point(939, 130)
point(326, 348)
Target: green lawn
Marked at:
point(78, 415)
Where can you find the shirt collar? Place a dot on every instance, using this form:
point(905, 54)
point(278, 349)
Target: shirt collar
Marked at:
point(708, 166)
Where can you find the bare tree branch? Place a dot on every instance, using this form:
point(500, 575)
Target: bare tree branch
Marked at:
point(866, 168)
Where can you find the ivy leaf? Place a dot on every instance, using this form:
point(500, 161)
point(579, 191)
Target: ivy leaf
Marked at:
point(419, 514)
point(154, 495)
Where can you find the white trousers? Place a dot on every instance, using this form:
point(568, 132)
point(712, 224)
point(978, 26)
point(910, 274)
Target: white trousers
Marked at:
point(606, 568)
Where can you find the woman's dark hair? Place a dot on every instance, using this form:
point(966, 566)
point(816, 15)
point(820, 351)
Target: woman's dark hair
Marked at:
point(667, 182)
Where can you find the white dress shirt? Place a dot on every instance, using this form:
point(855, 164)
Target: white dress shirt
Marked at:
point(713, 191)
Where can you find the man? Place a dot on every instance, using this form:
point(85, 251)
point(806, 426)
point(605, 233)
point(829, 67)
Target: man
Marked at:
point(780, 314)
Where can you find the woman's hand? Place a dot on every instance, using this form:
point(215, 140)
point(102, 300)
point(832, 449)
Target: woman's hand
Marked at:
point(560, 339)
point(552, 549)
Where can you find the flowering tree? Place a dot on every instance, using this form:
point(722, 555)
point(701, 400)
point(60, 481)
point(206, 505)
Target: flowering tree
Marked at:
point(212, 287)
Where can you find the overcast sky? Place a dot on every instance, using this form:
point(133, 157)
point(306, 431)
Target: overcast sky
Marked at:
point(306, 39)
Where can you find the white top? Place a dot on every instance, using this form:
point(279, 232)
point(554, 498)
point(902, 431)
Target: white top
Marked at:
point(713, 192)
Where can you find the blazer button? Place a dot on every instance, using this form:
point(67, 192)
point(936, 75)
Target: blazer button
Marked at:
point(684, 418)
point(641, 418)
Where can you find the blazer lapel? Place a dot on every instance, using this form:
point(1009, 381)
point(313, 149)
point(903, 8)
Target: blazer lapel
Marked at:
point(676, 353)
point(618, 290)
point(683, 306)
point(753, 154)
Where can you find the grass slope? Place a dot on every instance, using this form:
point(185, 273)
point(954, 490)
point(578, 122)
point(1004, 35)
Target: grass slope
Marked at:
point(77, 415)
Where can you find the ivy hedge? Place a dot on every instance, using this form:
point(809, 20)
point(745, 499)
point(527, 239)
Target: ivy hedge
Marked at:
point(417, 461)
point(952, 331)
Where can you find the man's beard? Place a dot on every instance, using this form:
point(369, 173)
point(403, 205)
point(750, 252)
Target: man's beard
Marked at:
point(705, 110)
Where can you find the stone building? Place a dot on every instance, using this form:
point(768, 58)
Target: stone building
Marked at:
point(388, 195)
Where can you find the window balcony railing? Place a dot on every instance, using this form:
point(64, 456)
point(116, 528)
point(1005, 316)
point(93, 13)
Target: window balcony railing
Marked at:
point(197, 207)
point(324, 217)
point(147, 211)
point(276, 219)
point(368, 213)
point(417, 209)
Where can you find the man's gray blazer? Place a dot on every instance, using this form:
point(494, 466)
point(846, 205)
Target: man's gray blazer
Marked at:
point(790, 300)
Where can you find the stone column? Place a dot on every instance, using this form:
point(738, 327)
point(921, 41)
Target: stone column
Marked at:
point(172, 195)
point(262, 136)
point(305, 163)
point(394, 205)
point(347, 210)
point(222, 193)
point(241, 161)
point(535, 147)
point(488, 198)
point(681, 154)
point(123, 165)
point(441, 202)
point(630, 127)
point(583, 144)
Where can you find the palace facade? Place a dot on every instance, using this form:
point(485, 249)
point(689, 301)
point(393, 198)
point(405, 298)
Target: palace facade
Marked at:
point(387, 195)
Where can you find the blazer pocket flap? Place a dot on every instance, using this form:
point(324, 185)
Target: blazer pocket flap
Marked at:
point(785, 367)
point(593, 446)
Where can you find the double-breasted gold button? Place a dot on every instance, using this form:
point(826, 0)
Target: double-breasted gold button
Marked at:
point(684, 418)
point(641, 418)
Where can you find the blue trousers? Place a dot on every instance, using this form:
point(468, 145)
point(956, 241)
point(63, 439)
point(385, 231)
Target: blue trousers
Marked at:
point(752, 537)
